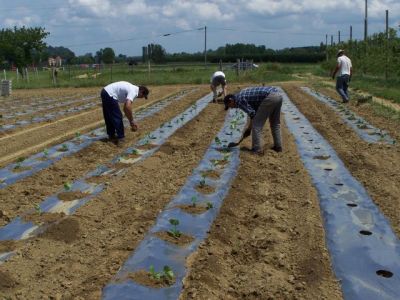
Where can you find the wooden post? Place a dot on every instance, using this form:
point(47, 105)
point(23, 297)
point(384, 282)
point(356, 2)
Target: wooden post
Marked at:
point(387, 45)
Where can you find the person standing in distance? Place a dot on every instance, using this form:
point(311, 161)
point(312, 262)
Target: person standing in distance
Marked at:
point(260, 103)
point(218, 78)
point(345, 69)
point(111, 96)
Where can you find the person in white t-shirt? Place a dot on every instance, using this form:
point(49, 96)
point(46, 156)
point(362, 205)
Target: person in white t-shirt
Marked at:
point(111, 96)
point(218, 78)
point(344, 69)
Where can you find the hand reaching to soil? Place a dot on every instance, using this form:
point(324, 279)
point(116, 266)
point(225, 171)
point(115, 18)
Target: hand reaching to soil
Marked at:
point(134, 127)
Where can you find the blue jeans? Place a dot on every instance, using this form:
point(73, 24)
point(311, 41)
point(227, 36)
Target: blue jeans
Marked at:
point(342, 85)
point(112, 116)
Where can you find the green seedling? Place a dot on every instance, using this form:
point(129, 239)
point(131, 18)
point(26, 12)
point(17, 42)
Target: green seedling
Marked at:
point(202, 182)
point(64, 147)
point(46, 152)
point(162, 125)
point(194, 201)
point(217, 141)
point(166, 274)
point(226, 157)
point(20, 159)
point(38, 209)
point(174, 231)
point(77, 134)
point(68, 186)
point(209, 205)
point(135, 151)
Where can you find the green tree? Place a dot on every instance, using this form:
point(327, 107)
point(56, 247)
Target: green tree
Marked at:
point(108, 56)
point(19, 45)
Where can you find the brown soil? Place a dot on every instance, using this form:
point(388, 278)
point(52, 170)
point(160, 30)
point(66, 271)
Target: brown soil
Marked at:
point(35, 137)
point(267, 241)
point(198, 209)
point(362, 159)
point(71, 196)
point(143, 277)
point(21, 169)
point(205, 189)
point(182, 240)
point(8, 245)
point(211, 174)
point(106, 230)
point(43, 218)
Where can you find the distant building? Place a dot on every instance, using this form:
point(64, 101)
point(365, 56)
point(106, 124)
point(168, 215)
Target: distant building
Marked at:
point(55, 62)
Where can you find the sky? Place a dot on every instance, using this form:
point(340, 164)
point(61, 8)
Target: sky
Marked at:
point(85, 26)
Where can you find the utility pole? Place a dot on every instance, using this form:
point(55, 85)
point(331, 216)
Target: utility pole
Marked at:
point(366, 21)
point(387, 45)
point(351, 33)
point(326, 46)
point(331, 40)
point(205, 45)
point(339, 37)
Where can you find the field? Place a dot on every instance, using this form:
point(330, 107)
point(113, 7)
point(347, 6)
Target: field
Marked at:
point(81, 218)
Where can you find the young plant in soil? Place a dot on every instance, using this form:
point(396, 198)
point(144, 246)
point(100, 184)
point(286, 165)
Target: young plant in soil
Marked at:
point(67, 186)
point(209, 205)
point(202, 182)
point(64, 148)
point(166, 275)
point(38, 209)
point(194, 201)
point(174, 232)
point(217, 141)
point(46, 152)
point(135, 151)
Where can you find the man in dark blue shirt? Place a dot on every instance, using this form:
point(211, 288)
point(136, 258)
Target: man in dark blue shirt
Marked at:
point(260, 103)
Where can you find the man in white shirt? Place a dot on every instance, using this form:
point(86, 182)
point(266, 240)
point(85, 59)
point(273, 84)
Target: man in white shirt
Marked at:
point(345, 69)
point(111, 96)
point(218, 78)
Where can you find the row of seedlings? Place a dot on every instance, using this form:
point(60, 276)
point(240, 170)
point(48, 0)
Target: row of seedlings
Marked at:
point(75, 194)
point(156, 268)
point(364, 250)
point(26, 166)
point(365, 130)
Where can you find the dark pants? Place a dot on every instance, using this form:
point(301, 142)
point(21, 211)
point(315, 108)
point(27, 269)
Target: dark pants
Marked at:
point(342, 86)
point(112, 116)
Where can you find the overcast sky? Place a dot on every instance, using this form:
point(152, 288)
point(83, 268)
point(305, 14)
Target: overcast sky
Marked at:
point(126, 25)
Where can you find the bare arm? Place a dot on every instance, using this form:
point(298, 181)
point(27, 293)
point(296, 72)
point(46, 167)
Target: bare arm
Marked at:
point(334, 71)
point(129, 115)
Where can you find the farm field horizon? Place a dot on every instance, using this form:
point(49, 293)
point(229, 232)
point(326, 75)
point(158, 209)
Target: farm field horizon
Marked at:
point(76, 211)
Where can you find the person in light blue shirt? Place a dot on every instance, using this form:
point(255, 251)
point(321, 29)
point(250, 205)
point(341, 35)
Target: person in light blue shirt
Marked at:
point(260, 104)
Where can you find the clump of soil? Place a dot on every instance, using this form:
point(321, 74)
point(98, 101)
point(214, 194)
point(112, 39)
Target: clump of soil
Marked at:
point(70, 196)
point(322, 157)
point(67, 230)
point(43, 218)
point(205, 189)
point(210, 174)
point(144, 277)
point(6, 281)
point(195, 210)
point(220, 163)
point(8, 245)
point(19, 169)
point(182, 240)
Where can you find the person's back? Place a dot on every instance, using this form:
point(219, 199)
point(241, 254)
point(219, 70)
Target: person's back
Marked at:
point(345, 65)
point(122, 90)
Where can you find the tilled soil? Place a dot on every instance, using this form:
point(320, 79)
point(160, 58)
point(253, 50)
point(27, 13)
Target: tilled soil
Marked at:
point(267, 241)
point(375, 166)
point(76, 264)
point(35, 137)
point(24, 194)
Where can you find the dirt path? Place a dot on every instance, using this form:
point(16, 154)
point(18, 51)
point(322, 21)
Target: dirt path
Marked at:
point(376, 166)
point(76, 258)
point(22, 195)
point(268, 241)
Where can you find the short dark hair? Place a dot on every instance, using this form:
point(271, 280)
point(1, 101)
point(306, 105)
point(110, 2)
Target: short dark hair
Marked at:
point(227, 99)
point(145, 91)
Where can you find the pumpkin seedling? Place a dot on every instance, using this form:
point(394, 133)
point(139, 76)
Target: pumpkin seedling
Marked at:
point(68, 186)
point(46, 152)
point(209, 205)
point(194, 201)
point(202, 182)
point(64, 147)
point(217, 141)
point(167, 274)
point(174, 231)
point(37, 209)
point(135, 151)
